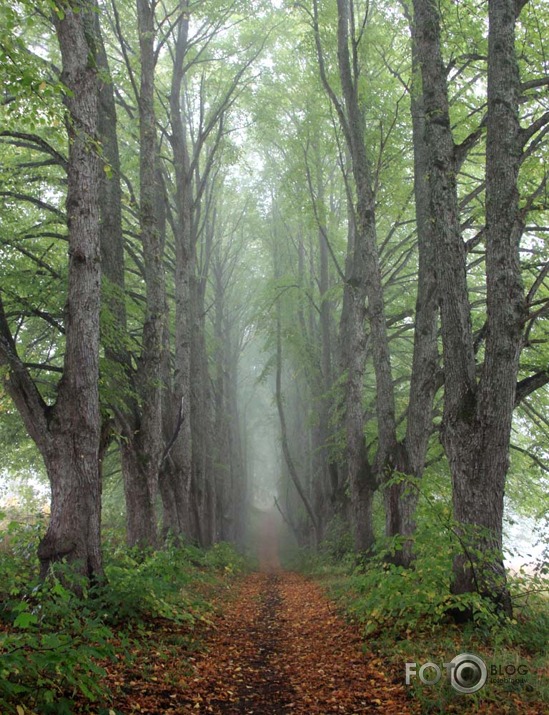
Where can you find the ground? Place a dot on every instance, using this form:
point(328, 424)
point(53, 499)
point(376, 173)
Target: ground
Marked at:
point(276, 647)
point(280, 648)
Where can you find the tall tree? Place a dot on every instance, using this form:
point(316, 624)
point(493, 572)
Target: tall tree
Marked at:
point(67, 432)
point(401, 499)
point(478, 406)
point(480, 468)
point(363, 282)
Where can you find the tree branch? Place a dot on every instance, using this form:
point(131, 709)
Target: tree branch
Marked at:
point(36, 143)
point(20, 386)
point(33, 200)
point(530, 384)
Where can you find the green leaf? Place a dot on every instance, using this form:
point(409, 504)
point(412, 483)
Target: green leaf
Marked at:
point(25, 620)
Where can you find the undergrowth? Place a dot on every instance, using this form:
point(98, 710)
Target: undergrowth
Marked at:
point(404, 615)
point(56, 647)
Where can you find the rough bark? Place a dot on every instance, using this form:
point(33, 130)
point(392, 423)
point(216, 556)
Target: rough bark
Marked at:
point(477, 418)
point(366, 268)
point(401, 499)
point(141, 457)
point(361, 480)
point(363, 284)
point(68, 432)
point(478, 494)
point(129, 390)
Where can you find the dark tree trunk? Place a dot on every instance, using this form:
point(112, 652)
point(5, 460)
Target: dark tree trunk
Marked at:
point(68, 433)
point(326, 466)
point(362, 481)
point(111, 235)
point(143, 427)
point(366, 273)
point(128, 391)
point(363, 283)
point(478, 493)
point(401, 498)
point(72, 459)
point(460, 431)
point(477, 417)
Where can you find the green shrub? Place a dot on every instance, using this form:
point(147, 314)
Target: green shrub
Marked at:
point(224, 556)
point(51, 651)
point(58, 635)
point(338, 539)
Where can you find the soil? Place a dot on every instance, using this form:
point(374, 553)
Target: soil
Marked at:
point(281, 648)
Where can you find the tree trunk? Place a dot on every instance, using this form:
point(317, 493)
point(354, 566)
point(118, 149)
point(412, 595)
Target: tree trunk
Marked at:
point(330, 488)
point(401, 498)
point(239, 506)
point(202, 476)
point(223, 460)
point(363, 283)
point(141, 457)
point(362, 482)
point(477, 418)
point(366, 272)
point(478, 495)
point(68, 432)
point(72, 458)
point(179, 471)
point(292, 470)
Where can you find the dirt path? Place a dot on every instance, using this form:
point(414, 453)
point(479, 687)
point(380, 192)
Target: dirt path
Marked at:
point(280, 648)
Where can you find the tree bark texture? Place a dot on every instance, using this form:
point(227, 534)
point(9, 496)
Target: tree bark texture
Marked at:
point(72, 457)
point(363, 283)
point(477, 417)
point(400, 498)
point(478, 495)
point(142, 454)
point(68, 432)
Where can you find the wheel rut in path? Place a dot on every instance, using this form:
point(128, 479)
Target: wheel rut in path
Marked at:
point(281, 648)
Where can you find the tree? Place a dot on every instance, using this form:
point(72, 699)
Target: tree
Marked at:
point(361, 284)
point(478, 409)
point(68, 432)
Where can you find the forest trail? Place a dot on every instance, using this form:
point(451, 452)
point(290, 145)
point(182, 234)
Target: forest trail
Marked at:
point(280, 648)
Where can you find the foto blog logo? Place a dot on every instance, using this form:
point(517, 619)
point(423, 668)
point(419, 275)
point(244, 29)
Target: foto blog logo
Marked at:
point(467, 673)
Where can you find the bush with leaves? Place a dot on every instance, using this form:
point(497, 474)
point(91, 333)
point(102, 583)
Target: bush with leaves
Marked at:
point(52, 645)
point(57, 636)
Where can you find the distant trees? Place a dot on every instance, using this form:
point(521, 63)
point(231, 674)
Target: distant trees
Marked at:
point(478, 354)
